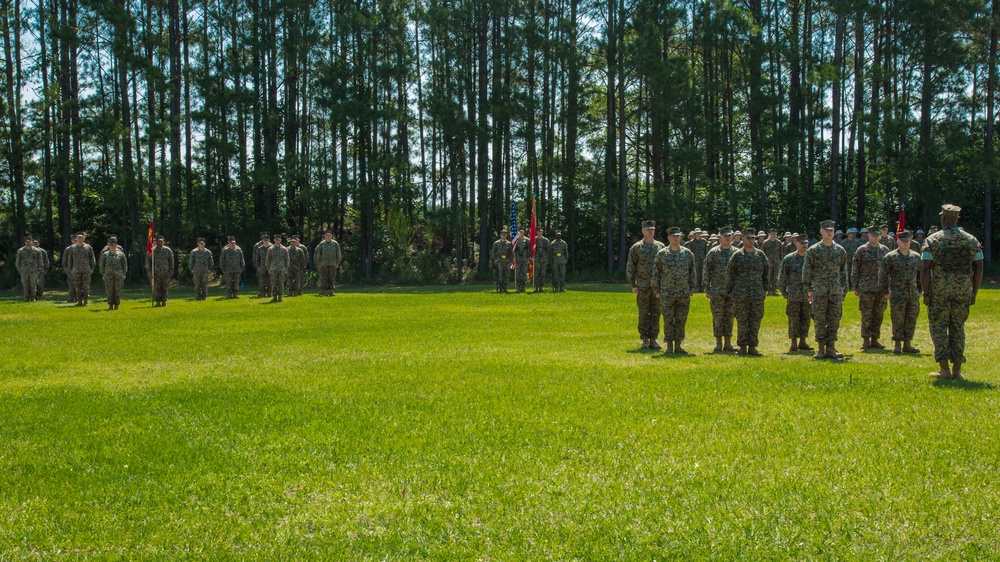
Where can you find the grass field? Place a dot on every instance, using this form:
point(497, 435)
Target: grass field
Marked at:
point(444, 423)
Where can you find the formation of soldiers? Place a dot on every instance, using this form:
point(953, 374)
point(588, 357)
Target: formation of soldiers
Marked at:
point(506, 255)
point(738, 272)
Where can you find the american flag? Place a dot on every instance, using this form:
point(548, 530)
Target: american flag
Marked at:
point(513, 230)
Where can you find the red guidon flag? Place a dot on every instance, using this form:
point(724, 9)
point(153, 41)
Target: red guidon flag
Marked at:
point(149, 238)
point(901, 226)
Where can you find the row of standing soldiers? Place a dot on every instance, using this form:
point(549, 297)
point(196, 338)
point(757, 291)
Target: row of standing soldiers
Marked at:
point(506, 254)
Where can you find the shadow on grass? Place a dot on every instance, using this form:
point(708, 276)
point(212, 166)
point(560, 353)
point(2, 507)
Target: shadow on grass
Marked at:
point(963, 384)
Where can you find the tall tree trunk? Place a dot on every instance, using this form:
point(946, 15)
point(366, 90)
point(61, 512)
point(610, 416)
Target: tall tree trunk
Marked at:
point(838, 63)
point(12, 71)
point(991, 87)
point(859, 112)
point(176, 81)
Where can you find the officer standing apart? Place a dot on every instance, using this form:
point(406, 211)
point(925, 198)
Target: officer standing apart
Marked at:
point(871, 301)
point(824, 274)
point(721, 302)
point(81, 262)
point(160, 268)
point(951, 272)
point(899, 281)
point(113, 267)
point(796, 295)
point(326, 259)
point(232, 265)
point(639, 272)
point(276, 264)
point(746, 280)
point(673, 280)
point(560, 257)
point(501, 256)
point(200, 262)
point(259, 258)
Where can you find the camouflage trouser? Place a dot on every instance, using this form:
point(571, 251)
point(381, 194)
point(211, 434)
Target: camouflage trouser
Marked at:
point(521, 275)
point(113, 288)
point(850, 277)
point(798, 319)
point(40, 284)
point(81, 282)
point(698, 265)
point(161, 283)
point(946, 318)
point(749, 313)
point(277, 283)
point(294, 278)
point(675, 315)
point(872, 307)
point(232, 280)
point(904, 312)
point(723, 313)
point(538, 275)
point(826, 312)
point(772, 276)
point(327, 278)
point(29, 281)
point(503, 275)
point(71, 287)
point(263, 283)
point(649, 313)
point(558, 276)
point(200, 284)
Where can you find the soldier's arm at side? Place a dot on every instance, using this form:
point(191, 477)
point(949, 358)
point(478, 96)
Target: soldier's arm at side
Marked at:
point(692, 274)
point(654, 279)
point(977, 276)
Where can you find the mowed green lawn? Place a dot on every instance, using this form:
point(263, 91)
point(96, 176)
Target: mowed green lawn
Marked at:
point(442, 423)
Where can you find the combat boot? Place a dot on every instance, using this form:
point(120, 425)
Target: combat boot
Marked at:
point(742, 351)
point(645, 343)
point(832, 353)
point(956, 371)
point(944, 372)
point(875, 344)
point(804, 346)
point(907, 348)
point(866, 345)
point(678, 349)
point(718, 345)
point(794, 347)
point(821, 352)
point(729, 344)
point(670, 347)
point(653, 345)
point(752, 351)
point(898, 349)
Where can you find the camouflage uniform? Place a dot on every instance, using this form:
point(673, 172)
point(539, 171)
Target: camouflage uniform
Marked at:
point(824, 272)
point(772, 249)
point(747, 276)
point(27, 263)
point(81, 262)
point(888, 242)
point(70, 285)
point(276, 264)
point(952, 252)
point(723, 310)
point(541, 261)
point(113, 269)
point(639, 272)
point(200, 262)
point(560, 257)
point(871, 301)
point(851, 247)
point(232, 264)
point(501, 254)
point(297, 261)
point(160, 268)
point(522, 251)
point(40, 282)
point(698, 247)
point(263, 278)
point(797, 299)
point(326, 260)
point(674, 278)
point(899, 278)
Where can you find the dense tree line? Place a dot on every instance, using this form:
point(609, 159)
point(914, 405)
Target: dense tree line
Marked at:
point(410, 126)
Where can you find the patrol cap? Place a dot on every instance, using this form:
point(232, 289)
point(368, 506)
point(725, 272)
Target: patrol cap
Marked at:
point(802, 238)
point(232, 239)
point(772, 230)
point(558, 233)
point(827, 225)
point(949, 210)
point(113, 240)
point(648, 224)
point(263, 235)
point(201, 240)
point(159, 237)
point(726, 231)
point(883, 227)
point(28, 238)
point(904, 236)
point(852, 230)
point(325, 232)
point(295, 237)
point(874, 229)
point(674, 231)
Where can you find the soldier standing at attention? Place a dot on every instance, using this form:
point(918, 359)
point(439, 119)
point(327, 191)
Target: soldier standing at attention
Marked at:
point(276, 264)
point(851, 245)
point(796, 296)
point(772, 249)
point(70, 287)
point(326, 258)
point(698, 247)
point(81, 262)
point(200, 262)
point(40, 283)
point(232, 264)
point(542, 257)
point(824, 274)
point(522, 252)
point(673, 280)
point(113, 267)
point(639, 272)
point(788, 245)
point(27, 263)
point(259, 257)
point(160, 268)
point(899, 281)
point(871, 301)
point(721, 302)
point(888, 241)
point(297, 262)
point(918, 241)
point(746, 280)
point(501, 254)
point(560, 257)
point(951, 272)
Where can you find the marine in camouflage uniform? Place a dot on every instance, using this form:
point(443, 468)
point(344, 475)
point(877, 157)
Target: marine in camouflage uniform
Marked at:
point(259, 257)
point(795, 295)
point(673, 280)
point(540, 262)
point(747, 276)
point(80, 263)
point(899, 281)
point(501, 254)
point(639, 272)
point(113, 267)
point(772, 249)
point(522, 252)
point(871, 301)
point(298, 260)
point(787, 245)
point(721, 302)
point(699, 247)
point(951, 272)
point(46, 264)
point(200, 262)
point(851, 245)
point(560, 257)
point(232, 264)
point(27, 263)
point(326, 260)
point(160, 268)
point(276, 265)
point(824, 276)
point(884, 239)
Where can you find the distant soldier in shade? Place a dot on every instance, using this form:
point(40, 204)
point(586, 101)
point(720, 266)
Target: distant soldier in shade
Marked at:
point(950, 274)
point(81, 263)
point(772, 249)
point(42, 271)
point(871, 300)
point(899, 281)
point(699, 247)
point(721, 302)
point(917, 244)
point(200, 262)
point(276, 264)
point(796, 295)
point(232, 264)
point(501, 254)
point(851, 244)
point(259, 257)
point(560, 257)
point(160, 268)
point(885, 239)
point(639, 272)
point(113, 267)
point(788, 244)
point(824, 275)
point(673, 280)
point(541, 261)
point(522, 252)
point(326, 260)
point(747, 276)
point(298, 260)
point(27, 262)
point(70, 286)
